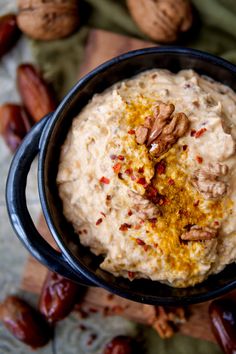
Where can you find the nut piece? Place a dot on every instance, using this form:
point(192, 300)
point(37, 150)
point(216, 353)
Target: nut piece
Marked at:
point(161, 117)
point(197, 233)
point(24, 322)
point(141, 134)
point(9, 33)
point(122, 345)
point(164, 129)
point(14, 124)
point(144, 208)
point(161, 20)
point(35, 93)
point(166, 320)
point(207, 182)
point(58, 297)
point(48, 20)
point(223, 321)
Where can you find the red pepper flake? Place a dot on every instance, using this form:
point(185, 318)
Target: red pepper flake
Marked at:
point(93, 310)
point(129, 171)
point(130, 212)
point(131, 132)
point(171, 182)
point(103, 214)
point(153, 221)
point(140, 242)
point(106, 311)
point(216, 223)
point(110, 296)
point(142, 180)
point(193, 132)
point(183, 212)
point(151, 191)
point(196, 202)
point(104, 180)
point(121, 157)
point(120, 176)
point(141, 170)
point(161, 167)
point(200, 132)
point(82, 313)
point(113, 157)
point(117, 167)
point(137, 227)
point(99, 221)
point(124, 227)
point(185, 147)
point(145, 247)
point(199, 159)
point(117, 309)
point(131, 275)
point(82, 327)
point(166, 201)
point(91, 339)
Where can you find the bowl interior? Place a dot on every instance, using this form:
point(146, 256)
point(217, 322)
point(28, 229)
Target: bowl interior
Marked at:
point(80, 257)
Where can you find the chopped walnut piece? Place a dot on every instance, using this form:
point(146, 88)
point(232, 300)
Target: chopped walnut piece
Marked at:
point(141, 134)
point(143, 207)
point(197, 233)
point(162, 115)
point(207, 182)
point(148, 123)
point(166, 319)
point(162, 130)
point(163, 328)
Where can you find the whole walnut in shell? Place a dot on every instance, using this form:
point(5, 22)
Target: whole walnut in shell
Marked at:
point(161, 20)
point(48, 19)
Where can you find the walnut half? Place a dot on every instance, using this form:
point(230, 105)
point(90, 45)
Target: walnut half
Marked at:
point(197, 233)
point(143, 207)
point(167, 319)
point(160, 131)
point(207, 180)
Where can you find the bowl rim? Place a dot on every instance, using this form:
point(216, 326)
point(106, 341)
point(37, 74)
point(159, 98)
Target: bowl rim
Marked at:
point(44, 141)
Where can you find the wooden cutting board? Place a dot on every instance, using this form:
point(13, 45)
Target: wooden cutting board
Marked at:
point(100, 47)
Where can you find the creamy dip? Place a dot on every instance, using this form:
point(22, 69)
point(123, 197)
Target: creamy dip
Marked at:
point(104, 176)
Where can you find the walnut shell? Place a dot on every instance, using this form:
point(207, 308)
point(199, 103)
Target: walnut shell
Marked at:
point(48, 19)
point(161, 20)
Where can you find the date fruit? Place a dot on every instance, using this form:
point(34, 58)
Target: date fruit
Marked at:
point(58, 297)
point(121, 345)
point(24, 322)
point(14, 124)
point(223, 320)
point(36, 94)
point(9, 33)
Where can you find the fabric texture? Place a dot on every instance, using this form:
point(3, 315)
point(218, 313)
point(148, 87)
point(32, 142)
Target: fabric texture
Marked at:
point(214, 31)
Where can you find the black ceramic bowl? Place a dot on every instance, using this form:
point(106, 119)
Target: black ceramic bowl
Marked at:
point(45, 139)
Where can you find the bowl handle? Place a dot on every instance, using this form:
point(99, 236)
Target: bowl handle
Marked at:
point(19, 214)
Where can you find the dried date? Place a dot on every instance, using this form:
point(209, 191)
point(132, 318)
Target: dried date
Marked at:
point(36, 94)
point(223, 320)
point(24, 322)
point(122, 345)
point(58, 297)
point(9, 33)
point(14, 124)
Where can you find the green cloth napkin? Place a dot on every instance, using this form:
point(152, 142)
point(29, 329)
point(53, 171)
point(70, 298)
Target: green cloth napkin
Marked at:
point(214, 31)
